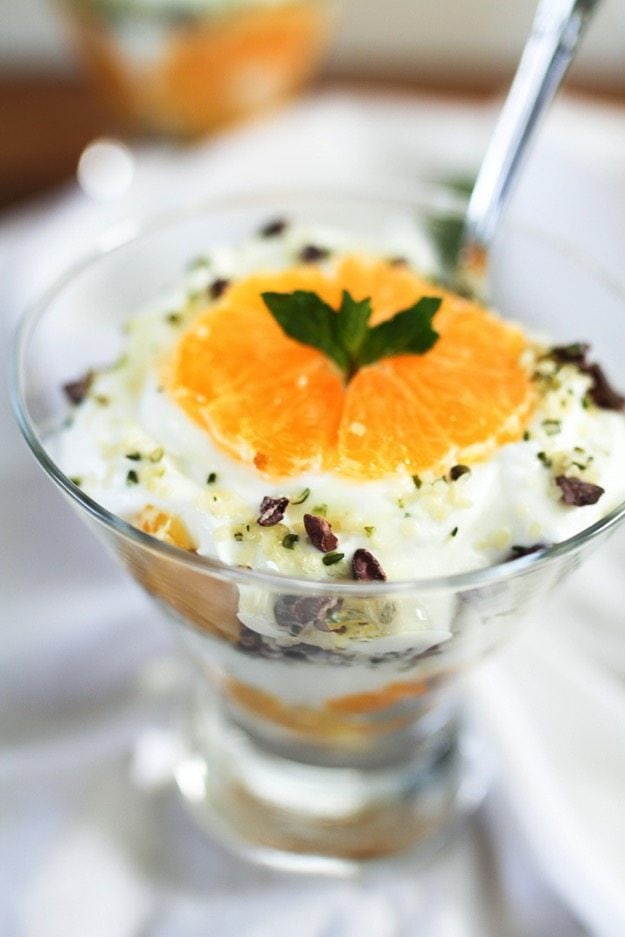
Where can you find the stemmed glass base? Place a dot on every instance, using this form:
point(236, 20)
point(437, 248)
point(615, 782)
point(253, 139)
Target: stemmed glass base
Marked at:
point(311, 808)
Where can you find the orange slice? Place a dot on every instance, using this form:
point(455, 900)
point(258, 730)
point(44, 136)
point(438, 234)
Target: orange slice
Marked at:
point(164, 526)
point(283, 407)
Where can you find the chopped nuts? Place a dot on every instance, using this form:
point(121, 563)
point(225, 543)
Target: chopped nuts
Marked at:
point(331, 558)
point(77, 390)
point(272, 511)
point(366, 568)
point(320, 533)
point(457, 471)
point(577, 492)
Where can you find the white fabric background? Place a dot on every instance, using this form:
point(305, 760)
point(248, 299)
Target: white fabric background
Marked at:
point(93, 841)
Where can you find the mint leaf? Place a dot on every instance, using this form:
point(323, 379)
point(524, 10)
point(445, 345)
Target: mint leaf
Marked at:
point(305, 317)
point(352, 323)
point(344, 335)
point(408, 332)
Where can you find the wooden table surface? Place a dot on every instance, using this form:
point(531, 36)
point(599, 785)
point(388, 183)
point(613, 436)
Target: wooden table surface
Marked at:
point(47, 120)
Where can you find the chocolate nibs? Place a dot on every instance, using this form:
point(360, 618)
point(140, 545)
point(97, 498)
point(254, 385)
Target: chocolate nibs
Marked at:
point(311, 254)
point(577, 492)
point(272, 511)
point(77, 390)
point(366, 568)
point(249, 640)
point(273, 228)
point(295, 612)
point(601, 392)
point(320, 533)
point(457, 471)
point(517, 551)
point(218, 288)
point(575, 353)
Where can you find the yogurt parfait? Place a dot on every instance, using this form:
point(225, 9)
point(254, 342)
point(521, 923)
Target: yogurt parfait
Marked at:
point(186, 67)
point(344, 481)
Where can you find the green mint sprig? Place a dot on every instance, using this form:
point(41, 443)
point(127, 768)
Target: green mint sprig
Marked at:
point(344, 334)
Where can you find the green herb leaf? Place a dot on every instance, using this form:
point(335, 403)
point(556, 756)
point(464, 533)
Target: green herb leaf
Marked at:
point(344, 335)
point(304, 316)
point(408, 332)
point(351, 324)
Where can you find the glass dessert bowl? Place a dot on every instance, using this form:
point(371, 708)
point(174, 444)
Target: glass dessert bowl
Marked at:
point(185, 67)
point(324, 720)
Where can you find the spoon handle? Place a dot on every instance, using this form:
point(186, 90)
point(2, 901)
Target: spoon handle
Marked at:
point(556, 31)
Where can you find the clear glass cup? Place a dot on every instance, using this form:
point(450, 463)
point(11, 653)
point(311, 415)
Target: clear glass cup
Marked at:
point(181, 68)
point(300, 747)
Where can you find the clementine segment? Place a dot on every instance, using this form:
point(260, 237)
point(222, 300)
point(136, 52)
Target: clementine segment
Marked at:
point(283, 406)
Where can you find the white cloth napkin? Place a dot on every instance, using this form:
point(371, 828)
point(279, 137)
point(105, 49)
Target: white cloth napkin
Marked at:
point(92, 839)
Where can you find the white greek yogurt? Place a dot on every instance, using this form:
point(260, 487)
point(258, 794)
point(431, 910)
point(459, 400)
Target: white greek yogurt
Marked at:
point(129, 445)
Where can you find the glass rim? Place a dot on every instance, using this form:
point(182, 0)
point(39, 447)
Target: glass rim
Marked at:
point(131, 231)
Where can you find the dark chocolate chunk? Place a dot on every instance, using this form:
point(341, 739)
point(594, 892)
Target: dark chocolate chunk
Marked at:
point(517, 551)
point(272, 511)
point(249, 640)
point(294, 612)
point(366, 568)
point(273, 228)
point(218, 288)
point(311, 253)
point(574, 353)
point(601, 392)
point(578, 492)
point(320, 533)
point(77, 390)
point(457, 471)
point(398, 262)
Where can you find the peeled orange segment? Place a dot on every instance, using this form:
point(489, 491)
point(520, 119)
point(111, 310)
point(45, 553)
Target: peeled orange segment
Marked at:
point(382, 425)
point(264, 398)
point(391, 287)
point(165, 527)
point(284, 407)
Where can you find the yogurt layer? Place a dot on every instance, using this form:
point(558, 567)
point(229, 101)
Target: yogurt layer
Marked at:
point(129, 445)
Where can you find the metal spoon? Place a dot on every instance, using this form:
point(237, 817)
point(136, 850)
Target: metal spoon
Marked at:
point(556, 32)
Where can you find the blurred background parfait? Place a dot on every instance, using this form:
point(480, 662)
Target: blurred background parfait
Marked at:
point(73, 70)
point(185, 67)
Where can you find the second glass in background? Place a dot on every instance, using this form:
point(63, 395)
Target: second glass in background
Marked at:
point(182, 68)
